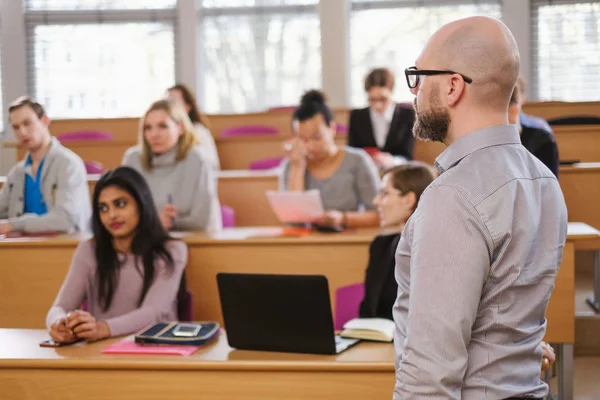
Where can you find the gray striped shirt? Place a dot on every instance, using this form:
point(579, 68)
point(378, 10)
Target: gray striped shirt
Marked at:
point(475, 268)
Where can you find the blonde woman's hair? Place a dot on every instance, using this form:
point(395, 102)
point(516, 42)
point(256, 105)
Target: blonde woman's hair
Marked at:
point(187, 139)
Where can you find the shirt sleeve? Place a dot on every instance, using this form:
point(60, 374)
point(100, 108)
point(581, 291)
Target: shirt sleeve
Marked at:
point(366, 180)
point(72, 293)
point(284, 172)
point(450, 251)
point(160, 296)
point(5, 198)
point(63, 216)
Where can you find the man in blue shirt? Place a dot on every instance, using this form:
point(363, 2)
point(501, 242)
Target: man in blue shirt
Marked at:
point(47, 191)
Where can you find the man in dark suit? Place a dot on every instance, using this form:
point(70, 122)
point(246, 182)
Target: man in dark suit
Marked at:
point(384, 129)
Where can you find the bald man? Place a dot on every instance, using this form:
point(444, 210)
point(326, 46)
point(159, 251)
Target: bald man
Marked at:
point(476, 262)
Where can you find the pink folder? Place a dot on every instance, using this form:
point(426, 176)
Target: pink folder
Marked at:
point(128, 346)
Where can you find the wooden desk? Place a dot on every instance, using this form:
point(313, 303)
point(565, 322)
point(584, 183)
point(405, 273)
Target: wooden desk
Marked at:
point(556, 109)
point(28, 372)
point(581, 187)
point(32, 271)
point(244, 191)
point(578, 142)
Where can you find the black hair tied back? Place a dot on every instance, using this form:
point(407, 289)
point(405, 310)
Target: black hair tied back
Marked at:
point(313, 103)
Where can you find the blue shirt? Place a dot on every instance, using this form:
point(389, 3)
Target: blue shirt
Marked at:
point(34, 199)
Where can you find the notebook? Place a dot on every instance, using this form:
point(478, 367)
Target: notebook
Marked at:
point(128, 346)
point(377, 329)
point(287, 313)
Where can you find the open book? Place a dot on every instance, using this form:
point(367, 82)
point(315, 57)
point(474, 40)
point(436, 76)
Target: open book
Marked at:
point(378, 329)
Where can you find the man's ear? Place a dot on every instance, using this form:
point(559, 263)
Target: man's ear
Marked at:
point(46, 120)
point(455, 89)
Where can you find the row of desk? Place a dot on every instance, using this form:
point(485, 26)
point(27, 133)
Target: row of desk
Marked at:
point(244, 191)
point(32, 271)
point(574, 142)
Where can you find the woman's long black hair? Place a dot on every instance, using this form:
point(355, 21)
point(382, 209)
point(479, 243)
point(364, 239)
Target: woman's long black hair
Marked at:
point(149, 239)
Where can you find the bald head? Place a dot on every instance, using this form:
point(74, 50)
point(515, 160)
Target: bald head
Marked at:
point(482, 49)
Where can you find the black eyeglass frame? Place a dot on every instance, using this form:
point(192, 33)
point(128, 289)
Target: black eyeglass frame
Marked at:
point(413, 71)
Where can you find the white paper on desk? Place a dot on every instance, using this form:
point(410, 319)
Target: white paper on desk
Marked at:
point(296, 207)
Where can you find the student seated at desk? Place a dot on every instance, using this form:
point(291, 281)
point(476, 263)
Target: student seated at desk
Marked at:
point(383, 125)
point(185, 98)
point(48, 191)
point(129, 273)
point(540, 142)
point(346, 177)
point(182, 182)
point(401, 188)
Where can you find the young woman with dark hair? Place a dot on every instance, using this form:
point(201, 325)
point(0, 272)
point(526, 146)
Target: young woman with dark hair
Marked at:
point(346, 177)
point(129, 274)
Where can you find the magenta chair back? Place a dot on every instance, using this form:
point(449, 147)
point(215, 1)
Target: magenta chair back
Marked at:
point(84, 135)
point(341, 129)
point(266, 163)
point(93, 167)
point(228, 216)
point(249, 130)
point(347, 303)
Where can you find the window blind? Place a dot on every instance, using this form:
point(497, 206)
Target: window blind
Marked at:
point(92, 59)
point(566, 50)
point(257, 54)
point(392, 33)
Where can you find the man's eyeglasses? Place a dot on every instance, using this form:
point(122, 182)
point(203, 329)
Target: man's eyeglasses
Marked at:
point(413, 75)
point(384, 192)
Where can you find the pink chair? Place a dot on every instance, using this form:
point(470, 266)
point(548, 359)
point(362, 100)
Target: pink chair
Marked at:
point(93, 167)
point(266, 163)
point(228, 216)
point(347, 303)
point(249, 130)
point(84, 135)
point(341, 129)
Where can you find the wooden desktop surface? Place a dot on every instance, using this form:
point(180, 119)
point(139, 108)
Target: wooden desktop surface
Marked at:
point(216, 371)
point(33, 270)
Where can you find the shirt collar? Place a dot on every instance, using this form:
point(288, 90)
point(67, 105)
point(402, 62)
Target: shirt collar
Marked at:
point(388, 113)
point(488, 137)
point(28, 160)
point(166, 159)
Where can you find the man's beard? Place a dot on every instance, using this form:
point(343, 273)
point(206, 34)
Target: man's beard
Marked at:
point(432, 124)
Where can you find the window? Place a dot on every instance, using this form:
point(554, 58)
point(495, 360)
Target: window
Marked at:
point(256, 54)
point(98, 64)
point(98, 4)
point(566, 51)
point(392, 33)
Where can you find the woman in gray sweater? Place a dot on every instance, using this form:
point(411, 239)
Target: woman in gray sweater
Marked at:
point(129, 275)
point(181, 180)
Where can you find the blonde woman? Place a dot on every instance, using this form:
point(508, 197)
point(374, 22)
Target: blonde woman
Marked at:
point(181, 180)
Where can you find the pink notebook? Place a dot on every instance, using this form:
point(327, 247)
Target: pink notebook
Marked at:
point(128, 346)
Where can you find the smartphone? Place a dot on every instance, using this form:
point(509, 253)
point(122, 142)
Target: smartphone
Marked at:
point(186, 330)
point(52, 343)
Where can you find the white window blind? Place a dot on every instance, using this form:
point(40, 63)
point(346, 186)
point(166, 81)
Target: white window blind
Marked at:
point(100, 63)
point(257, 54)
point(566, 50)
point(392, 33)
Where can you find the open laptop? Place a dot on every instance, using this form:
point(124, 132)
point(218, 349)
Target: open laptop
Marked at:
point(287, 313)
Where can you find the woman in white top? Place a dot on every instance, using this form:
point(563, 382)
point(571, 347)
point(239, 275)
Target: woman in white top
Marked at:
point(183, 96)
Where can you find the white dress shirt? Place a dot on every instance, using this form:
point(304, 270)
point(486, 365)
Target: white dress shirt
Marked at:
point(381, 123)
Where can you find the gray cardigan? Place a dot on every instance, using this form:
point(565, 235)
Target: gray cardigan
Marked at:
point(64, 188)
point(190, 182)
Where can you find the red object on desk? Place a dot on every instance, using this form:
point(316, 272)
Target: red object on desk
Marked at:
point(372, 151)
